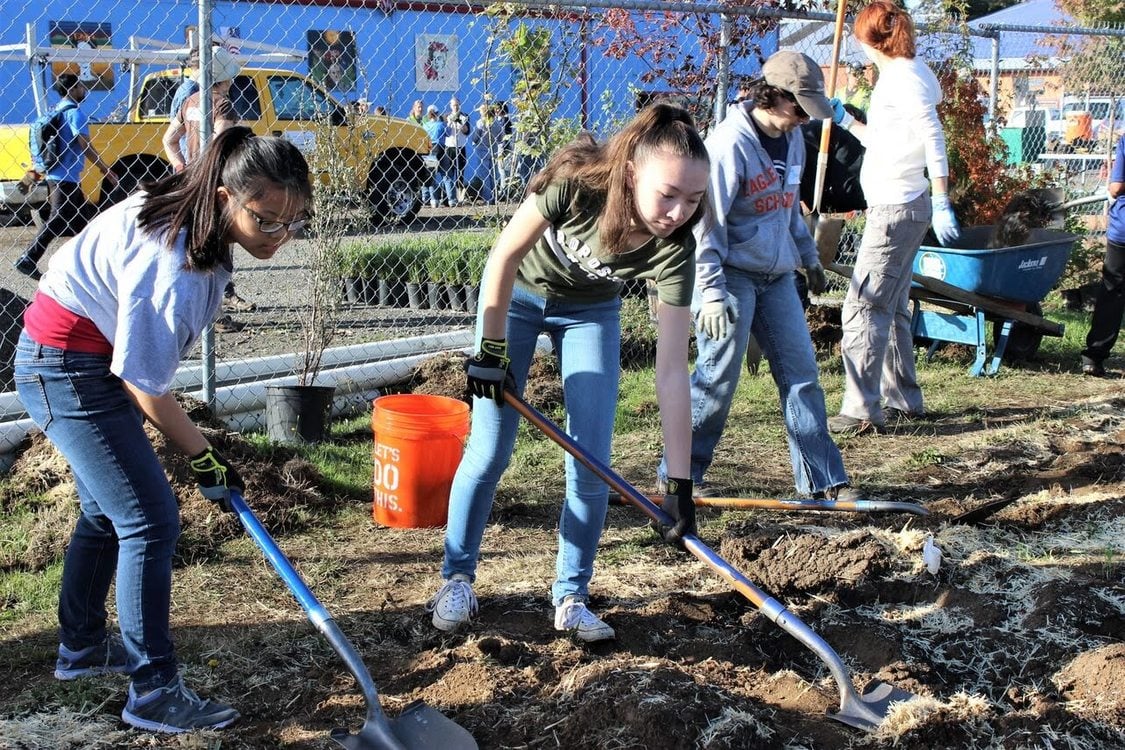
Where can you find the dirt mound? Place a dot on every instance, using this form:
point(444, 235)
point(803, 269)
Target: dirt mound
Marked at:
point(280, 487)
point(657, 706)
point(1097, 678)
point(785, 563)
point(444, 375)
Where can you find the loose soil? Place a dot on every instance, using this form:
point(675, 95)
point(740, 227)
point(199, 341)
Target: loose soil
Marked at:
point(1015, 642)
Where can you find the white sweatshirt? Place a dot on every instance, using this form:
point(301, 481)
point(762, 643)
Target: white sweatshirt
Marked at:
point(903, 134)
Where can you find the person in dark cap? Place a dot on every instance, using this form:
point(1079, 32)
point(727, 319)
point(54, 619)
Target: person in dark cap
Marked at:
point(745, 280)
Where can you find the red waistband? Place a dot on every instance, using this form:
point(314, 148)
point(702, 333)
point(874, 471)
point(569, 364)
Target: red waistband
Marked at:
point(50, 324)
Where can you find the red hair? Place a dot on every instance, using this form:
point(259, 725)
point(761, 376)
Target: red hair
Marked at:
point(886, 27)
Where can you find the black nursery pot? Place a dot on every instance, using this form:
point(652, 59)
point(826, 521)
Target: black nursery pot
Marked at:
point(298, 413)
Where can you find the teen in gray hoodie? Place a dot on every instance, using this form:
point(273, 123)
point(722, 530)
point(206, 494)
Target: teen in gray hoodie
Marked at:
point(744, 274)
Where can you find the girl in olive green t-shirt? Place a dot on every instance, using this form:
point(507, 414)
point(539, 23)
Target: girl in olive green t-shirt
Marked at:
point(596, 216)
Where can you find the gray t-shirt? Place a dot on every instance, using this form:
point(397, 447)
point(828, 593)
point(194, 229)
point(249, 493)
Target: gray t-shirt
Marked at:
point(568, 262)
point(138, 293)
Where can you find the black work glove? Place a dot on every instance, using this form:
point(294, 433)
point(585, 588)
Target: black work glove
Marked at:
point(487, 372)
point(680, 505)
point(216, 477)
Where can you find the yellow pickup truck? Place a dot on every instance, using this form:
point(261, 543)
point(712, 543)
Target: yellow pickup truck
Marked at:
point(384, 155)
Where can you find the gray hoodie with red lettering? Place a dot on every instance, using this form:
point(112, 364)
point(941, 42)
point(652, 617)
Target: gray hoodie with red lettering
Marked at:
point(758, 225)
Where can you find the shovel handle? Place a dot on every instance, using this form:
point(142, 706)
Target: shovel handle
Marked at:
point(376, 722)
point(767, 605)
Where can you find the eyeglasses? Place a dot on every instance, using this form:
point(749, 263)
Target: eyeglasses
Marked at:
point(270, 226)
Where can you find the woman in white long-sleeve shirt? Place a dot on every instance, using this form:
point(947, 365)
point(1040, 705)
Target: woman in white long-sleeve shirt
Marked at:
point(904, 141)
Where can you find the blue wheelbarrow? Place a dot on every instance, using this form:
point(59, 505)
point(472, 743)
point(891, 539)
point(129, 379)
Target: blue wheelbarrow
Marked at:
point(975, 285)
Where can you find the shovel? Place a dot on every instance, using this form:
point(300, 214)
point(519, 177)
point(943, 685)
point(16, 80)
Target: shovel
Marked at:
point(1053, 200)
point(418, 727)
point(865, 711)
point(851, 506)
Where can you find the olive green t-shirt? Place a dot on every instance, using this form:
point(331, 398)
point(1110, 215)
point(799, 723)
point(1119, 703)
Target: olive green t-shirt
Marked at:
point(568, 262)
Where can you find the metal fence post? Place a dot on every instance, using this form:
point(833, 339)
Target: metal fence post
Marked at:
point(994, 80)
point(723, 84)
point(207, 343)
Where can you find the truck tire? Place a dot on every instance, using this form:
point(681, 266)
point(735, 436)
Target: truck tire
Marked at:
point(394, 188)
point(132, 173)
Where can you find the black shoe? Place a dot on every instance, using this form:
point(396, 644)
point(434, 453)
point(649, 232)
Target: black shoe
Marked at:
point(1092, 367)
point(226, 324)
point(27, 267)
point(895, 416)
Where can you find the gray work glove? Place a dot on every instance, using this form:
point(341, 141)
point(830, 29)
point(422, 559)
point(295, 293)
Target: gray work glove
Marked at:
point(715, 319)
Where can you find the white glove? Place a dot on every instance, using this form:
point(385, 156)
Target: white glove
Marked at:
point(714, 319)
point(944, 221)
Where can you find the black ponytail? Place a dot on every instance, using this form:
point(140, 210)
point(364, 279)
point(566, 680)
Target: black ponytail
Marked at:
point(246, 165)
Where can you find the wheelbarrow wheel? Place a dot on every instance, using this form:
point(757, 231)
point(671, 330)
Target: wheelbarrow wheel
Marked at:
point(1023, 341)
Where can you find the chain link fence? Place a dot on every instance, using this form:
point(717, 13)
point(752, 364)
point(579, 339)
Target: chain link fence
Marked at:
point(437, 115)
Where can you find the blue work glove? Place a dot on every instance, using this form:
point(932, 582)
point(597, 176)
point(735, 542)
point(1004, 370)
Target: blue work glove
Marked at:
point(714, 318)
point(815, 278)
point(216, 477)
point(680, 505)
point(944, 221)
point(841, 116)
point(488, 371)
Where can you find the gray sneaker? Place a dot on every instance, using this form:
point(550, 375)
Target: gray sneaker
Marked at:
point(573, 616)
point(108, 657)
point(454, 604)
point(175, 708)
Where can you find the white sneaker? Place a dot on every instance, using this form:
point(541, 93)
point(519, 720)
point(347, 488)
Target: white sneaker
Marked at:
point(453, 604)
point(573, 615)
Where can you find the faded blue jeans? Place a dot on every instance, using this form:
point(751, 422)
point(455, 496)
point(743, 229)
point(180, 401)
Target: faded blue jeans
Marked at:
point(768, 307)
point(129, 519)
point(587, 339)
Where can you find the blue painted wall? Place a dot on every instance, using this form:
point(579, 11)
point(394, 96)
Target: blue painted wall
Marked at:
point(385, 48)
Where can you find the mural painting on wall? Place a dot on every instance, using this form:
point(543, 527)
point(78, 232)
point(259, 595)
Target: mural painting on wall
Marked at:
point(332, 57)
point(435, 62)
point(83, 35)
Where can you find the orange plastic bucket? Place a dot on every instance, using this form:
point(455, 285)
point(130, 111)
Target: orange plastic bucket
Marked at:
point(418, 444)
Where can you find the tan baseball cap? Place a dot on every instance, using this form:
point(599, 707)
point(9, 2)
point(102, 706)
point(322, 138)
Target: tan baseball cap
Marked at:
point(801, 77)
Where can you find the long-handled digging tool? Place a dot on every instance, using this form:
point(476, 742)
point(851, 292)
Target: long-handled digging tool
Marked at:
point(799, 504)
point(418, 727)
point(865, 711)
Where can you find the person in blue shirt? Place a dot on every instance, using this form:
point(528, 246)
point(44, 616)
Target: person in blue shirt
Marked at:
point(1105, 322)
point(69, 209)
point(434, 125)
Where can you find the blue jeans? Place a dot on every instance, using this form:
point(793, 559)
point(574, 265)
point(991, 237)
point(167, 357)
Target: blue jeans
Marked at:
point(587, 338)
point(768, 307)
point(129, 520)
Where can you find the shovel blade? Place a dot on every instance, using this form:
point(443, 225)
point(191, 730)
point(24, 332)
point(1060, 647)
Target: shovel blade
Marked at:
point(418, 727)
point(867, 711)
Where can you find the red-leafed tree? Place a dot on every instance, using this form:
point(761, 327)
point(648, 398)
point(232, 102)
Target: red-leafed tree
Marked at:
point(681, 51)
